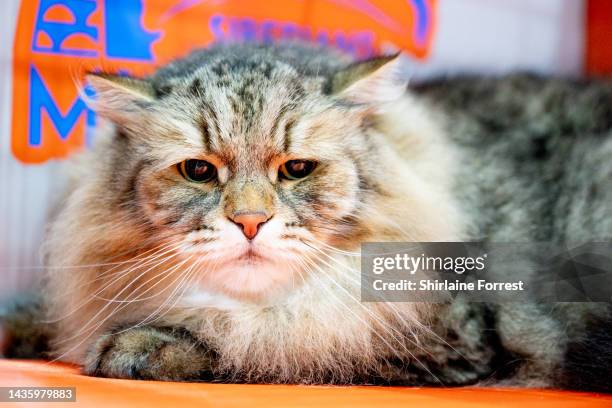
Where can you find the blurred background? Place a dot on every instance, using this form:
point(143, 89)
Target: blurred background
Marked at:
point(47, 44)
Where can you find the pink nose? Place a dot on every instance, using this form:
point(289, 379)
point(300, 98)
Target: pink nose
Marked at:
point(250, 222)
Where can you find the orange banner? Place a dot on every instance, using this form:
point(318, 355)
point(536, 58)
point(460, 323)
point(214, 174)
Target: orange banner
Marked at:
point(57, 40)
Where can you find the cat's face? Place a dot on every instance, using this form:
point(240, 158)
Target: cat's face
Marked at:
point(250, 171)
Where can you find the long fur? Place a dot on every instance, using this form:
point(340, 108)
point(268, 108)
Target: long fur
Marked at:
point(137, 250)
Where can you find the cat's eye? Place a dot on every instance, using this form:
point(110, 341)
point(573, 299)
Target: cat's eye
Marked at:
point(197, 171)
point(296, 169)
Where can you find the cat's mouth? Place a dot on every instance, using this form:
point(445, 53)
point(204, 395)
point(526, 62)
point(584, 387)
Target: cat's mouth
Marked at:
point(249, 270)
point(251, 256)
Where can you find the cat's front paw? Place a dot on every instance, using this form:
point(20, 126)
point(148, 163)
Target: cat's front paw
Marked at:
point(152, 353)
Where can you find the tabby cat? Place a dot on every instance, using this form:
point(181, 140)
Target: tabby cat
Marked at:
point(213, 231)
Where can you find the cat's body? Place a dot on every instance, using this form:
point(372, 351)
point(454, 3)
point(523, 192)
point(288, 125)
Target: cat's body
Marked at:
point(536, 168)
point(518, 159)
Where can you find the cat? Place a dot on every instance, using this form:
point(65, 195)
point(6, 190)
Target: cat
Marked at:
point(213, 231)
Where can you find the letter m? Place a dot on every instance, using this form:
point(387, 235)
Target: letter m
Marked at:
point(40, 99)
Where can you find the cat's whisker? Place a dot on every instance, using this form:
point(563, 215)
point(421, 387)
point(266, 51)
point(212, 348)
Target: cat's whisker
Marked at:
point(182, 276)
point(388, 305)
point(138, 298)
point(336, 250)
point(406, 324)
point(185, 283)
point(119, 263)
point(100, 324)
point(195, 270)
point(383, 324)
point(136, 262)
point(308, 264)
point(141, 264)
point(372, 330)
point(392, 307)
point(353, 298)
point(134, 280)
point(86, 265)
point(158, 255)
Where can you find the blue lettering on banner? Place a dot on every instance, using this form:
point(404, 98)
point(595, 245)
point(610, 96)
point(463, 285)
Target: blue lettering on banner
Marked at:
point(58, 32)
point(40, 99)
point(126, 38)
point(422, 19)
point(360, 43)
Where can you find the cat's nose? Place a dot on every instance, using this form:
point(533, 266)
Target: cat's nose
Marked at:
point(250, 222)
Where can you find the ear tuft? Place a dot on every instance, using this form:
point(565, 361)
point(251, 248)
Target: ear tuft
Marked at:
point(116, 97)
point(375, 80)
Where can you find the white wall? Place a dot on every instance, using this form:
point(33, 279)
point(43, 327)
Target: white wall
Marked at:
point(17, 222)
point(494, 36)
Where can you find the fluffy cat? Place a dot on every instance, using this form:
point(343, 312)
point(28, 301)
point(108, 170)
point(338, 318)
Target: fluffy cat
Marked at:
point(213, 231)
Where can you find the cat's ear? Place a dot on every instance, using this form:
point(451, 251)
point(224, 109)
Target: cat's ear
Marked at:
point(119, 98)
point(376, 80)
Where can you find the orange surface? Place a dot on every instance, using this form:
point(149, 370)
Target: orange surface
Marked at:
point(97, 392)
